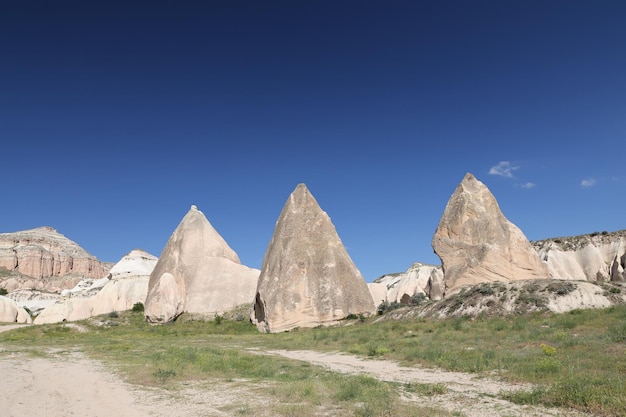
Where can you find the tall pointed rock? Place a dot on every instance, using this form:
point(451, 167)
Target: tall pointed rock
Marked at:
point(197, 273)
point(476, 243)
point(307, 278)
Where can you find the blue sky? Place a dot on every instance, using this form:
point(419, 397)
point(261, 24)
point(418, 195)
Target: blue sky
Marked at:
point(116, 117)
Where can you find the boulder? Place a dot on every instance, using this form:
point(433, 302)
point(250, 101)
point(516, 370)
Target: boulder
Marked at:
point(307, 278)
point(476, 243)
point(11, 313)
point(197, 273)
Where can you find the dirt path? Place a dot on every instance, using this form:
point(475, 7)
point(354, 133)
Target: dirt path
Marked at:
point(71, 385)
point(467, 394)
point(7, 327)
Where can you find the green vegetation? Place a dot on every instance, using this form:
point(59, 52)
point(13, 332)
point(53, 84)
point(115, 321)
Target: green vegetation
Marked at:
point(138, 308)
point(4, 272)
point(3, 291)
point(575, 360)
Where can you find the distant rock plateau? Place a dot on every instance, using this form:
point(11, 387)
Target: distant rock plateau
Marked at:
point(45, 260)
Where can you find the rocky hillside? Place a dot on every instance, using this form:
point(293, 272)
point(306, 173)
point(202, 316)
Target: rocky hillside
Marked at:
point(44, 259)
point(591, 257)
point(516, 297)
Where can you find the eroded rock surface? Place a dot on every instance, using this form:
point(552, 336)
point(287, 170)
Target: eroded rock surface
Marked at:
point(592, 257)
point(476, 243)
point(400, 287)
point(11, 313)
point(125, 285)
point(197, 273)
point(307, 278)
point(44, 259)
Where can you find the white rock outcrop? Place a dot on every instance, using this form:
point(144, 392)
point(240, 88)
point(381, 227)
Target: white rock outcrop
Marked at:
point(592, 257)
point(400, 287)
point(197, 273)
point(307, 278)
point(11, 313)
point(44, 259)
point(125, 285)
point(476, 243)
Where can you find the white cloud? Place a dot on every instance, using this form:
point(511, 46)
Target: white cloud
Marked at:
point(503, 169)
point(529, 185)
point(589, 182)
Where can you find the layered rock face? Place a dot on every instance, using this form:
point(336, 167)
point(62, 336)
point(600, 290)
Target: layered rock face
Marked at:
point(125, 285)
point(307, 278)
point(11, 313)
point(44, 259)
point(593, 257)
point(476, 243)
point(197, 273)
point(400, 287)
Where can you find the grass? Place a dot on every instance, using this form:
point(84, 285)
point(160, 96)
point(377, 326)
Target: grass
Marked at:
point(575, 360)
point(168, 355)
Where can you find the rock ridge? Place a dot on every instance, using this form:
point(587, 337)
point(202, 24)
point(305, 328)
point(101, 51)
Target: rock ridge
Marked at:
point(44, 259)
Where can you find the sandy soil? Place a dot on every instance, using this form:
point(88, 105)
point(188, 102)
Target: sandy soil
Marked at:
point(68, 384)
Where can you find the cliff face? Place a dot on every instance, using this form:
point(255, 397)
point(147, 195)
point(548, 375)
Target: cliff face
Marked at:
point(592, 257)
point(44, 259)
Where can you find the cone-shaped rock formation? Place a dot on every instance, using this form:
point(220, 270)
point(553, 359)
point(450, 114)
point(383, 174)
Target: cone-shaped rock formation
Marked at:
point(197, 273)
point(476, 243)
point(307, 278)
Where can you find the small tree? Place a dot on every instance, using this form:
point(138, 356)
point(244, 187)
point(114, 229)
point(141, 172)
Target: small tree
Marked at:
point(3, 291)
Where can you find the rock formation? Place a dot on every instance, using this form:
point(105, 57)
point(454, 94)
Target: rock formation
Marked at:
point(520, 297)
point(400, 287)
point(44, 259)
point(476, 243)
point(11, 313)
point(307, 278)
point(125, 285)
point(197, 273)
point(592, 257)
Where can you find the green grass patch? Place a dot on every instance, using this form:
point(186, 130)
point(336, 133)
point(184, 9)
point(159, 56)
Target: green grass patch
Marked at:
point(575, 360)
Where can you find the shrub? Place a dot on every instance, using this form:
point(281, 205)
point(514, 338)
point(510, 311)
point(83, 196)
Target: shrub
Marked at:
point(561, 288)
point(3, 291)
point(137, 307)
point(418, 299)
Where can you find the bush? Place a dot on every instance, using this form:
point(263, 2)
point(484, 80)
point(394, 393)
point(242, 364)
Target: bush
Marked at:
point(138, 307)
point(3, 291)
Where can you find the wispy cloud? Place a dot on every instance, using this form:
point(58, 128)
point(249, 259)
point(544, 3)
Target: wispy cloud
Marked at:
point(529, 185)
point(503, 169)
point(589, 182)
